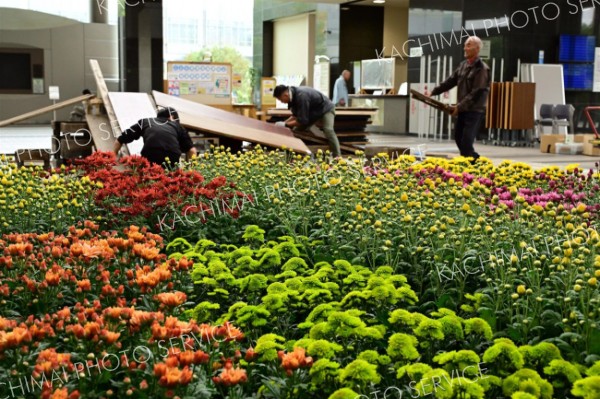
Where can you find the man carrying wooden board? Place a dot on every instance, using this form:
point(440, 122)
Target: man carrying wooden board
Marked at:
point(473, 80)
point(308, 107)
point(164, 138)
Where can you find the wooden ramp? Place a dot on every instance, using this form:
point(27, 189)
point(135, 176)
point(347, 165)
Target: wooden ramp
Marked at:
point(221, 123)
point(44, 110)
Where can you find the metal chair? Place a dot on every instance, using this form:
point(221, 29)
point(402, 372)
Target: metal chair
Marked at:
point(563, 116)
point(546, 118)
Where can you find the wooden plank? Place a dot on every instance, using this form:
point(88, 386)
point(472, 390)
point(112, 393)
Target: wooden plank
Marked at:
point(309, 137)
point(190, 107)
point(103, 93)
point(430, 101)
point(489, 108)
point(200, 117)
point(522, 104)
point(44, 110)
point(346, 111)
point(102, 134)
point(351, 134)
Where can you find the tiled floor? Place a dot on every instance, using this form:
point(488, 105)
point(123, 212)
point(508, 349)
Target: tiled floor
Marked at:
point(497, 154)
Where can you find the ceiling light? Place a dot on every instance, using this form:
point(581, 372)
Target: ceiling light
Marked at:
point(378, 1)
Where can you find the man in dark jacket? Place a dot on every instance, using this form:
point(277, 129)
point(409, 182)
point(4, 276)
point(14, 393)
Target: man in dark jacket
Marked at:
point(308, 107)
point(164, 138)
point(473, 80)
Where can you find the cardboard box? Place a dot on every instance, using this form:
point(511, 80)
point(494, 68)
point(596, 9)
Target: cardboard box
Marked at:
point(548, 141)
point(584, 138)
point(591, 150)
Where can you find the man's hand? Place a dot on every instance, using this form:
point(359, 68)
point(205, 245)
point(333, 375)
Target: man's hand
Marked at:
point(453, 110)
point(117, 148)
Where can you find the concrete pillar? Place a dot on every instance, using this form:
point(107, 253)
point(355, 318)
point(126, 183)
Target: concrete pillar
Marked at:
point(99, 10)
point(145, 50)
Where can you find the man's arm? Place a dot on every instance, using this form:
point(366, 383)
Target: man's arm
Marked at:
point(446, 84)
point(185, 141)
point(302, 110)
point(479, 88)
point(336, 91)
point(129, 135)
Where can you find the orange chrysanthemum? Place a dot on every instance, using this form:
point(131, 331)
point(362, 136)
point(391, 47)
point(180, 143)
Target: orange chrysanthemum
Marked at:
point(295, 359)
point(172, 299)
point(231, 376)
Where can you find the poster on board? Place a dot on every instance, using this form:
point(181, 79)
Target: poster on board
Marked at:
point(203, 82)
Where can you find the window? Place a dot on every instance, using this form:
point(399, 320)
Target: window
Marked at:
point(182, 31)
point(21, 70)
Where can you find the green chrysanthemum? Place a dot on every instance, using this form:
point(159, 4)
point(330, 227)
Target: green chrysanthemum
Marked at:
point(344, 393)
point(268, 345)
point(527, 380)
point(587, 388)
point(323, 371)
point(403, 347)
point(359, 372)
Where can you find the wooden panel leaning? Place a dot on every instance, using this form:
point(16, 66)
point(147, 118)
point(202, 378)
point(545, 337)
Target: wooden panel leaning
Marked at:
point(510, 106)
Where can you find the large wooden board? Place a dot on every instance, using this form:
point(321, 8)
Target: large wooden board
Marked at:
point(129, 109)
point(103, 93)
point(101, 131)
point(180, 104)
point(200, 117)
point(44, 110)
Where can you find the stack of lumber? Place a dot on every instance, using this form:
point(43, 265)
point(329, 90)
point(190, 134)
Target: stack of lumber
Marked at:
point(350, 127)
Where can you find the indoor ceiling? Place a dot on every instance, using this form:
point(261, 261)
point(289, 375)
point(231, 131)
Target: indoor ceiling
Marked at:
point(398, 3)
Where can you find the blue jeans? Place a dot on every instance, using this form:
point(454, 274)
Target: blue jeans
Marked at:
point(465, 132)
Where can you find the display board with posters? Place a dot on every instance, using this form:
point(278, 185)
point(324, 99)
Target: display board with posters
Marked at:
point(202, 82)
point(267, 87)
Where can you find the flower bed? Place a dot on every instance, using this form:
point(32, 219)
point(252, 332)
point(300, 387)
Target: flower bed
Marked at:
point(386, 277)
point(522, 241)
point(134, 191)
point(96, 314)
point(34, 200)
point(361, 328)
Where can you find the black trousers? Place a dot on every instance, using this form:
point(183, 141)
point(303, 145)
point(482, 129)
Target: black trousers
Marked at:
point(465, 132)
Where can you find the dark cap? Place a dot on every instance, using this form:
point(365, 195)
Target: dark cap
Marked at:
point(167, 112)
point(279, 90)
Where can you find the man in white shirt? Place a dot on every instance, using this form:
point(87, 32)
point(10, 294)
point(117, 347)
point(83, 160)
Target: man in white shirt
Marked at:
point(340, 90)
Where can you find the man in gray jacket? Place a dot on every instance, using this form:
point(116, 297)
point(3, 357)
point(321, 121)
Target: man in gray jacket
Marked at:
point(308, 107)
point(473, 80)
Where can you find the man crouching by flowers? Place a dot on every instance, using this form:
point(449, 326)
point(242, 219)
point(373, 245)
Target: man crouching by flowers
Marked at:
point(164, 138)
